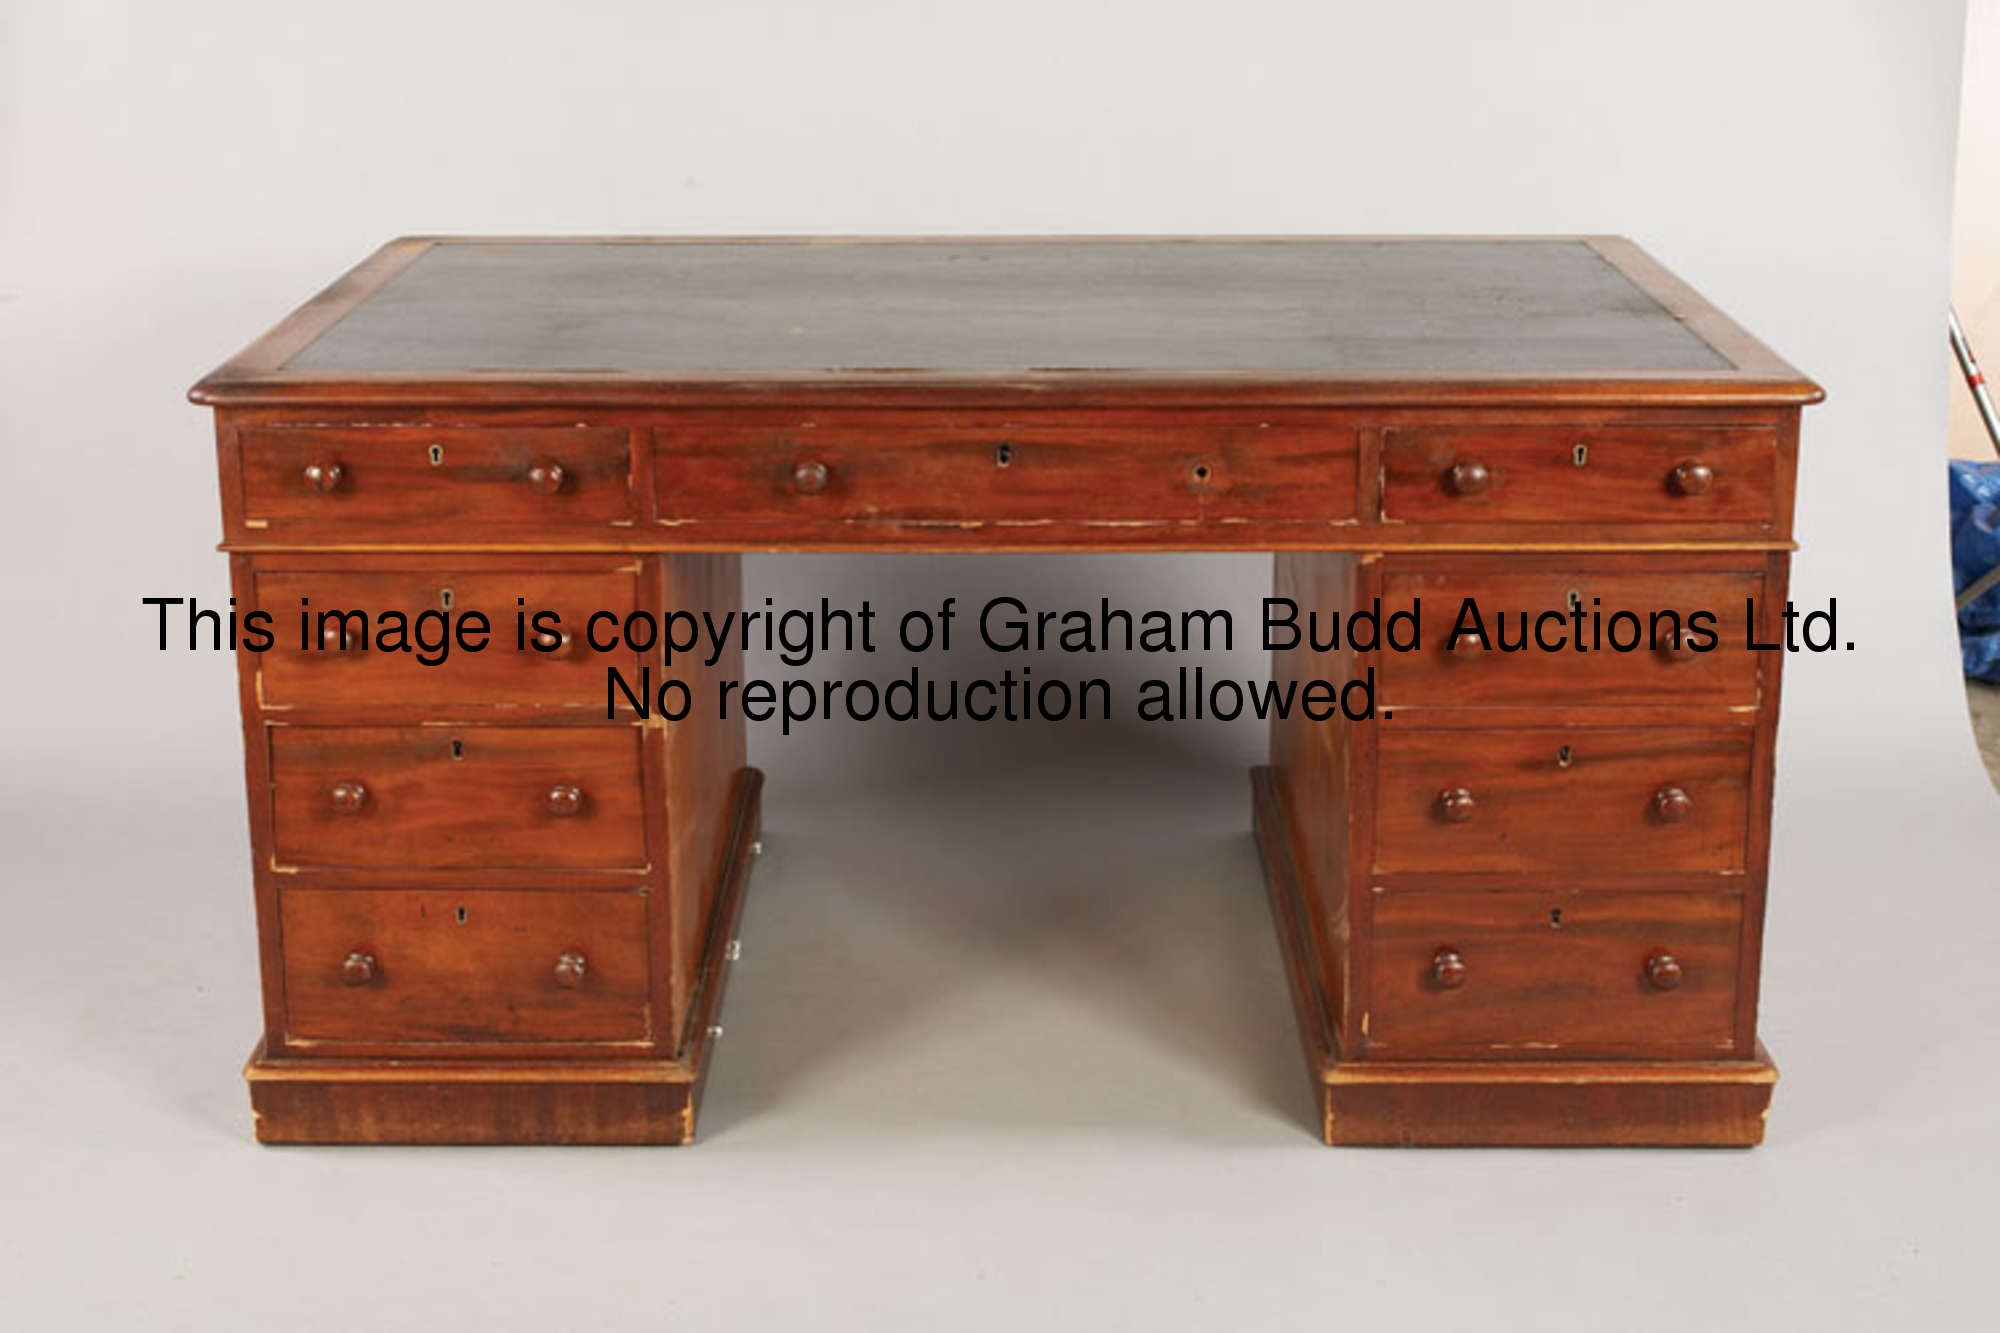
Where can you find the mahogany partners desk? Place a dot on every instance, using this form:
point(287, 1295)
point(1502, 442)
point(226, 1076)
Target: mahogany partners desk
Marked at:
point(1528, 910)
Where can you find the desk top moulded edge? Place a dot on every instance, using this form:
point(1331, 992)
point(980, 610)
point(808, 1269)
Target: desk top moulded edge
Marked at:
point(258, 375)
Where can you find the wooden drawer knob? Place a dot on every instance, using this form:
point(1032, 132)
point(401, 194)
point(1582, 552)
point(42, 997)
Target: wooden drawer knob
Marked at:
point(548, 476)
point(559, 644)
point(565, 799)
point(810, 477)
point(1455, 805)
point(1663, 971)
point(1691, 479)
point(324, 475)
point(1672, 805)
point(1467, 477)
point(348, 797)
point(358, 969)
point(1675, 648)
point(333, 638)
point(1448, 969)
point(1468, 648)
point(570, 970)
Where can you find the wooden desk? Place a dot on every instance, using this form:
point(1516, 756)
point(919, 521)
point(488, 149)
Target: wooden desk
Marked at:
point(1528, 909)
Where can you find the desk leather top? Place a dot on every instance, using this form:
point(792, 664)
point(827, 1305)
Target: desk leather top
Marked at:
point(453, 319)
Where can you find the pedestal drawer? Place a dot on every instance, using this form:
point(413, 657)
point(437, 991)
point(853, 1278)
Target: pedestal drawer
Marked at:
point(1569, 800)
point(356, 671)
point(389, 965)
point(1510, 602)
point(1532, 974)
point(464, 797)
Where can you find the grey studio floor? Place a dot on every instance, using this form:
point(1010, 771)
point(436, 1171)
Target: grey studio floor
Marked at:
point(1008, 1047)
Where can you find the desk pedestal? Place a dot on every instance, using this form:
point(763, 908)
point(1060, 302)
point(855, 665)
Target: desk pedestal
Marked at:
point(1515, 1103)
point(604, 1101)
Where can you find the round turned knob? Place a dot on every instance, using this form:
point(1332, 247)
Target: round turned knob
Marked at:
point(1467, 647)
point(570, 969)
point(1448, 969)
point(560, 643)
point(333, 638)
point(1468, 477)
point(348, 797)
point(810, 477)
point(324, 475)
point(547, 476)
point(565, 799)
point(1663, 971)
point(1691, 478)
point(358, 969)
point(1455, 805)
point(1676, 648)
point(1672, 804)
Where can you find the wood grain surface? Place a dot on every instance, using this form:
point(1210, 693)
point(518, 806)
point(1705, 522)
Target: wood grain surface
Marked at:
point(458, 797)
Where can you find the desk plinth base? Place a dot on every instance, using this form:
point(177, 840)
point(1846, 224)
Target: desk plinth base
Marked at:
point(1464, 1103)
point(604, 1101)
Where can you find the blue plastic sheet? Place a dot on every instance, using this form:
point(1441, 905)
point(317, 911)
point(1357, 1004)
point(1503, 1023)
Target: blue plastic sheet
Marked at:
point(1975, 552)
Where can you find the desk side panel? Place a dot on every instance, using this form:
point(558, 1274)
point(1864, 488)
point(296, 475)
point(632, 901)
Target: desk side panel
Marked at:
point(1314, 763)
point(705, 755)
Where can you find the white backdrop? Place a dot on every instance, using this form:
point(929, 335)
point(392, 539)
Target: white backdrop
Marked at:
point(177, 177)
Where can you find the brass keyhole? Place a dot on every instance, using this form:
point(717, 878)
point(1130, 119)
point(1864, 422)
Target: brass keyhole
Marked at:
point(1555, 918)
point(1563, 756)
point(457, 748)
point(1573, 599)
point(1580, 455)
point(459, 915)
point(1003, 454)
point(1201, 474)
point(444, 598)
point(436, 454)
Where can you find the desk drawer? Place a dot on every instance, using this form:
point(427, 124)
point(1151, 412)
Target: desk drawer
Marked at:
point(1587, 476)
point(438, 483)
point(1569, 800)
point(484, 798)
point(366, 674)
point(376, 965)
point(952, 472)
point(1724, 676)
point(1536, 974)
